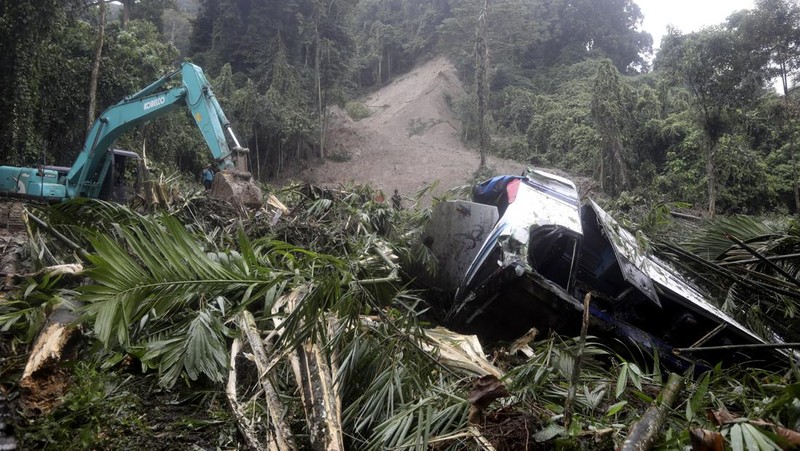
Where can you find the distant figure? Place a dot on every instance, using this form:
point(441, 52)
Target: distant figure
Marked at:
point(397, 201)
point(207, 176)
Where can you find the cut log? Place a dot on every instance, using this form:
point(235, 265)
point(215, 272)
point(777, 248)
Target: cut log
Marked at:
point(44, 382)
point(283, 439)
point(318, 391)
point(245, 427)
point(643, 433)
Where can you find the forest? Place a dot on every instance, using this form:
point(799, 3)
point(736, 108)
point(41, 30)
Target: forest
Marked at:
point(203, 326)
point(571, 85)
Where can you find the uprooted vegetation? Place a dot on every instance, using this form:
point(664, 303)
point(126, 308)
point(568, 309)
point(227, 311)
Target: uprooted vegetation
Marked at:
point(298, 327)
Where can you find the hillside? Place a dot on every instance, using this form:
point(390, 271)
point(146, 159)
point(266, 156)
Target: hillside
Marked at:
point(408, 142)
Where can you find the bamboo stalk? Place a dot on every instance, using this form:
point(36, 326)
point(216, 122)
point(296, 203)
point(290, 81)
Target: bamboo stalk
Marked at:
point(763, 259)
point(576, 369)
point(643, 433)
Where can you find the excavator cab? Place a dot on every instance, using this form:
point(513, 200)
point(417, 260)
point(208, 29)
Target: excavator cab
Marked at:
point(124, 179)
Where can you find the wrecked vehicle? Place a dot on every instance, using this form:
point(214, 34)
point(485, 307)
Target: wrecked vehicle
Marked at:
point(524, 253)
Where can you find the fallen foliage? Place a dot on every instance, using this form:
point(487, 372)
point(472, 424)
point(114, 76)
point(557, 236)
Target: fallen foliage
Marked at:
point(296, 327)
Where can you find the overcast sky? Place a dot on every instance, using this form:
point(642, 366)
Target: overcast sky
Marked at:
point(686, 15)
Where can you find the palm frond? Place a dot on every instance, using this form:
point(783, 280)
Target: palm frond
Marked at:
point(159, 268)
point(193, 349)
point(759, 294)
point(711, 242)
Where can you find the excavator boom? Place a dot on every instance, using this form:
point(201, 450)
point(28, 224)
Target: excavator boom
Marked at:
point(89, 175)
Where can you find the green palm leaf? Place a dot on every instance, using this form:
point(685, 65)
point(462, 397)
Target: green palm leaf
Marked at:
point(712, 243)
point(196, 348)
point(159, 268)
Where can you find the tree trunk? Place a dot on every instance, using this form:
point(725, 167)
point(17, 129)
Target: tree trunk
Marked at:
point(258, 159)
point(126, 13)
point(316, 380)
point(602, 171)
point(242, 420)
point(380, 69)
point(620, 163)
point(795, 185)
point(318, 76)
point(712, 180)
point(481, 62)
point(281, 436)
point(172, 33)
point(793, 142)
point(98, 53)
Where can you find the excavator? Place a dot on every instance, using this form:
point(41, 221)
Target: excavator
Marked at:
point(99, 169)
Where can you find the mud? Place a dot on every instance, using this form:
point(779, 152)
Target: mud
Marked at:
point(237, 189)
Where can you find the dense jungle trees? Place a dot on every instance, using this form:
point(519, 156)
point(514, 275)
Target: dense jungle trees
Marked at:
point(48, 48)
point(570, 84)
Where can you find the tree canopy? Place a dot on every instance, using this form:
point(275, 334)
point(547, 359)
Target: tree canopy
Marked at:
point(570, 83)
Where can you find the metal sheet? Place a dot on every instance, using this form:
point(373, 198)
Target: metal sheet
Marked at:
point(625, 245)
point(455, 234)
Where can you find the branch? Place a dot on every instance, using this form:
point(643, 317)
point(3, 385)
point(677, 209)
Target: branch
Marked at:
point(576, 369)
point(644, 432)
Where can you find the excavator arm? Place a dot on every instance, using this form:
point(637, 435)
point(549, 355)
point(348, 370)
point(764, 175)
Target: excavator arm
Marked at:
point(89, 174)
point(91, 168)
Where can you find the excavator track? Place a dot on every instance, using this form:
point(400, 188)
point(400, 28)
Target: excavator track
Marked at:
point(11, 211)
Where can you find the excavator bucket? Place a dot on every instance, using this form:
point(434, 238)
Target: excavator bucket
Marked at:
point(237, 187)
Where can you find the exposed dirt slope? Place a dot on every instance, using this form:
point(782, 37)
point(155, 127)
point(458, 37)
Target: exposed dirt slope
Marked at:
point(409, 141)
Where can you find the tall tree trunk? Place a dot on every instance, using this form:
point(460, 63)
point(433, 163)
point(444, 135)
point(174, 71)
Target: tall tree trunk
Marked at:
point(258, 159)
point(172, 32)
point(126, 13)
point(380, 70)
point(317, 70)
point(790, 112)
point(711, 174)
point(794, 178)
point(620, 163)
point(318, 76)
point(98, 53)
point(602, 171)
point(481, 62)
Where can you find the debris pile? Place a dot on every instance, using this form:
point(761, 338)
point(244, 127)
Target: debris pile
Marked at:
point(295, 328)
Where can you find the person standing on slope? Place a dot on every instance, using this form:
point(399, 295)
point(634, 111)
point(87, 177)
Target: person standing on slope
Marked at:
point(208, 176)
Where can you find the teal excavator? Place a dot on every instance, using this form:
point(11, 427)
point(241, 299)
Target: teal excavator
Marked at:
point(99, 168)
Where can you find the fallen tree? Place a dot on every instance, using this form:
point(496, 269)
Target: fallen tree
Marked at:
point(317, 346)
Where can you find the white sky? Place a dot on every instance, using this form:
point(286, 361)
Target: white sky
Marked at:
point(686, 15)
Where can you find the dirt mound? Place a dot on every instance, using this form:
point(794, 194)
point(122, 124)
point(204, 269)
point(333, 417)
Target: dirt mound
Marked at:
point(408, 142)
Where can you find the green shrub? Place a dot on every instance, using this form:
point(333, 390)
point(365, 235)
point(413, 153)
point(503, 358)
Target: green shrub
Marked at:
point(419, 126)
point(357, 110)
